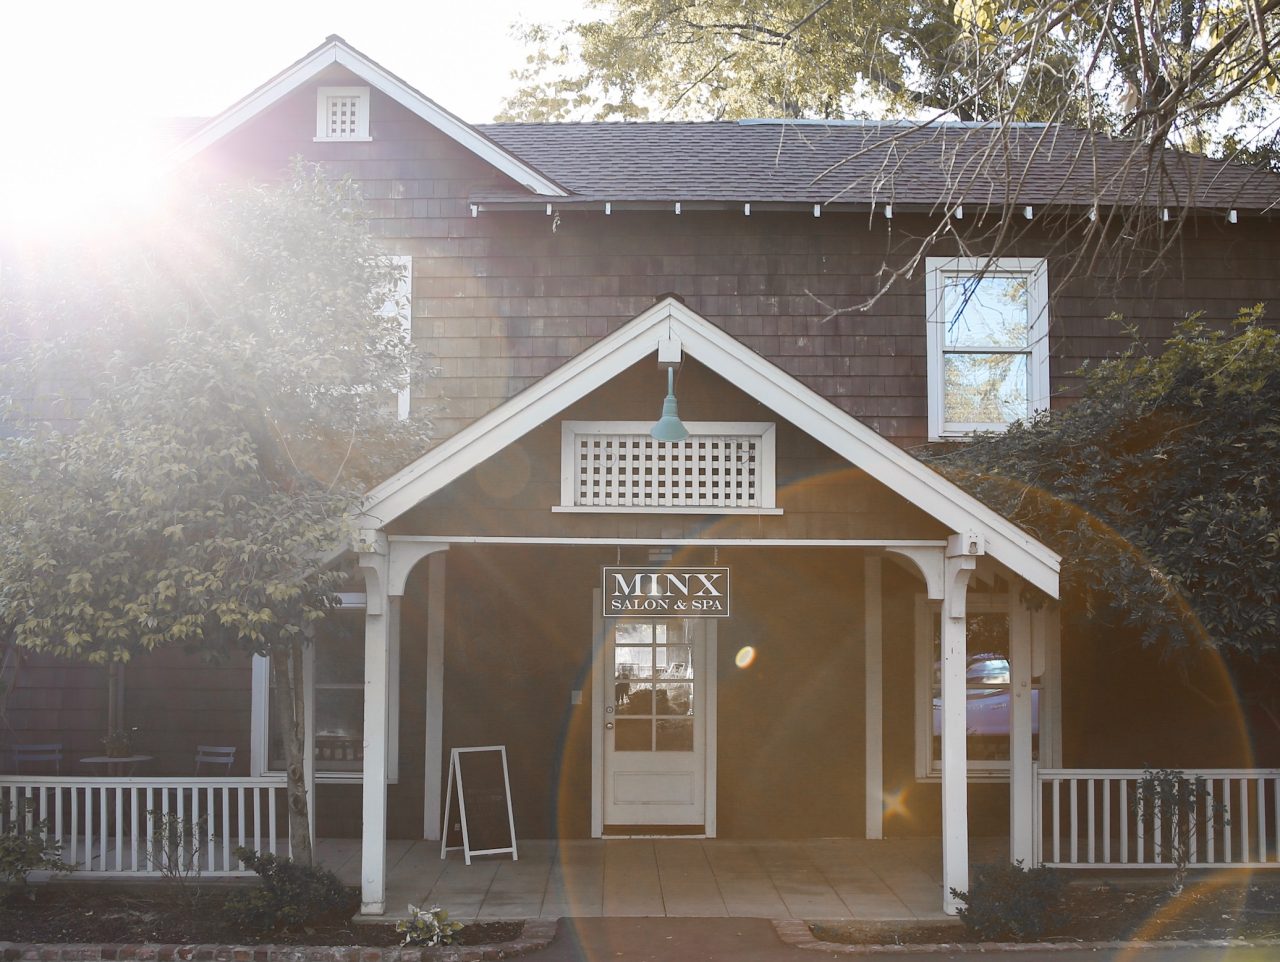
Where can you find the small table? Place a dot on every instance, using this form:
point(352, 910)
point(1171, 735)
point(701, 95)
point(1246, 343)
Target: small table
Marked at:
point(115, 765)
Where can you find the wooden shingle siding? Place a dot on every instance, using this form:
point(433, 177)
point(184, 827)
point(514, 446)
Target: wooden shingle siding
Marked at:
point(822, 497)
point(501, 299)
point(176, 701)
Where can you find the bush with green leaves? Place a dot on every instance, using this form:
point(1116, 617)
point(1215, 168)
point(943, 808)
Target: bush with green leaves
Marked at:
point(290, 896)
point(1158, 487)
point(1007, 901)
point(428, 927)
point(27, 849)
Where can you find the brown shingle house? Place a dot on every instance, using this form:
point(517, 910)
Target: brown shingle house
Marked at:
point(782, 625)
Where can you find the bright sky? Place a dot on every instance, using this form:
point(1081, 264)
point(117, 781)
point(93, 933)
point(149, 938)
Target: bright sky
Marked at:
point(77, 74)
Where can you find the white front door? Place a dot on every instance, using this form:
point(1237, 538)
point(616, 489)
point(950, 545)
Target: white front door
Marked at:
point(655, 721)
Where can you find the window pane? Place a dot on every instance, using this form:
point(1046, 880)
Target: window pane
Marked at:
point(984, 388)
point(675, 661)
point(674, 699)
point(339, 729)
point(987, 311)
point(634, 633)
point(675, 735)
point(633, 735)
point(636, 699)
point(632, 662)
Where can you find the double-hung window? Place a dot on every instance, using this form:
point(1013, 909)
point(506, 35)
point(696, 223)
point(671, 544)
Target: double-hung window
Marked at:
point(988, 690)
point(988, 342)
point(334, 675)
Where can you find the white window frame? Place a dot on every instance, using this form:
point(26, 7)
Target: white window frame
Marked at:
point(928, 768)
point(259, 747)
point(322, 114)
point(766, 480)
point(937, 270)
point(399, 304)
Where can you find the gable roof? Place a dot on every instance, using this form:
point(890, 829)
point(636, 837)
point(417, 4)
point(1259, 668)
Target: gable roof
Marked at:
point(870, 162)
point(335, 50)
point(791, 400)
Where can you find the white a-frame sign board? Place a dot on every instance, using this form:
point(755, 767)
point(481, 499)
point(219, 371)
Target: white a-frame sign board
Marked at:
point(483, 801)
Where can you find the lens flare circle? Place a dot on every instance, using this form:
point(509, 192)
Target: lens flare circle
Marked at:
point(745, 657)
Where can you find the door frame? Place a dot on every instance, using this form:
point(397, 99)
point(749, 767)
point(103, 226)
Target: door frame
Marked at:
point(599, 626)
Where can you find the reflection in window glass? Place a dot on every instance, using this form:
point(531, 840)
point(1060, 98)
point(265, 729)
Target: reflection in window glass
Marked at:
point(984, 388)
point(653, 692)
point(338, 654)
point(986, 311)
point(987, 685)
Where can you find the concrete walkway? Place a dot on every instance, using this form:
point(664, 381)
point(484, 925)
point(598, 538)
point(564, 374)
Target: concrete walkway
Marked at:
point(693, 878)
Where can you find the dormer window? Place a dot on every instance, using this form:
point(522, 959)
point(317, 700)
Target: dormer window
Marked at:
point(342, 113)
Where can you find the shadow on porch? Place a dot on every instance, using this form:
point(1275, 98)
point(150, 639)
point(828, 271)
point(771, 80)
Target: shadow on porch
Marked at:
point(775, 879)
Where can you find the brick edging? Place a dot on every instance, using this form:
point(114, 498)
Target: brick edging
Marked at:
point(537, 934)
point(797, 933)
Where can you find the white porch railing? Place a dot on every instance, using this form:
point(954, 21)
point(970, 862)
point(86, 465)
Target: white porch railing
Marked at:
point(139, 826)
point(1101, 818)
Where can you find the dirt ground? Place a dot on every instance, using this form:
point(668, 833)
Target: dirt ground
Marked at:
point(70, 913)
point(1209, 908)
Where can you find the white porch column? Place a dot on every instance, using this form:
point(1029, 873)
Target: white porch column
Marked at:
point(959, 564)
point(1021, 766)
point(432, 816)
point(379, 622)
point(873, 652)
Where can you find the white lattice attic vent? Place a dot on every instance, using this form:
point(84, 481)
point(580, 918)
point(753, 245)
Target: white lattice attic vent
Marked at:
point(722, 467)
point(342, 113)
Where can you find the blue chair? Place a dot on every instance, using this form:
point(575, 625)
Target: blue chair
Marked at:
point(46, 754)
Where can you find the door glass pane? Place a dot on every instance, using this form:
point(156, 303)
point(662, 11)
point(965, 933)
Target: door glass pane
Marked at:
point(674, 699)
point(653, 692)
point(633, 633)
point(632, 662)
point(675, 735)
point(674, 661)
point(984, 388)
point(633, 735)
point(637, 699)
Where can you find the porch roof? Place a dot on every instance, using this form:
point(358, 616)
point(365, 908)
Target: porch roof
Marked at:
point(780, 392)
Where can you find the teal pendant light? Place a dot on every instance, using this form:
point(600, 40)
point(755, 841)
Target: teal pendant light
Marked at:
point(669, 426)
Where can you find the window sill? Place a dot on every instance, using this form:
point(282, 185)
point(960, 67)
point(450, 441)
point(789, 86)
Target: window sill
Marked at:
point(656, 509)
point(341, 140)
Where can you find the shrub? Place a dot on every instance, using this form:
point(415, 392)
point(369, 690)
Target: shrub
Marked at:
point(428, 927)
point(289, 896)
point(1011, 902)
point(27, 850)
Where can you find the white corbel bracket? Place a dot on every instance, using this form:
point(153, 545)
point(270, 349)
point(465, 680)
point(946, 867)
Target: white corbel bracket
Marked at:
point(928, 561)
point(404, 556)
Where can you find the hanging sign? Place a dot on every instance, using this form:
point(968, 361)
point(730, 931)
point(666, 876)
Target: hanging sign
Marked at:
point(664, 592)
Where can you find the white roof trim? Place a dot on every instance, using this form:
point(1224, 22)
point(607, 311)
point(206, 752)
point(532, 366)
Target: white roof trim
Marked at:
point(336, 50)
point(758, 377)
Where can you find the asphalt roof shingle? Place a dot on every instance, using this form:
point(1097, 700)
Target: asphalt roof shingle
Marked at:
point(861, 163)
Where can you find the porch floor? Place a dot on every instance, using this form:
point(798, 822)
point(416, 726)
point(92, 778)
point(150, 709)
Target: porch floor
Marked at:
point(703, 878)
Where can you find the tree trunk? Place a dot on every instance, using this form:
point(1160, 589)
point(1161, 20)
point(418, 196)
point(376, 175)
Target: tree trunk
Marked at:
point(289, 699)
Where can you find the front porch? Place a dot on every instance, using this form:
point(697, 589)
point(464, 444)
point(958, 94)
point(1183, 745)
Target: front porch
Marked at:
point(843, 878)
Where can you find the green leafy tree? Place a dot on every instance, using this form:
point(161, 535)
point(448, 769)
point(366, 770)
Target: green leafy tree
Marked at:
point(1172, 71)
point(194, 420)
point(1158, 487)
point(725, 59)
